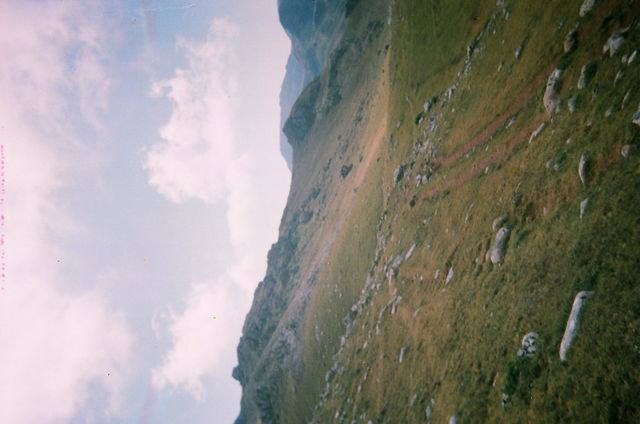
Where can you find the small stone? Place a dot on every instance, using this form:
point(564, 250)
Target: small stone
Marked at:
point(586, 7)
point(571, 104)
point(625, 98)
point(570, 40)
point(537, 132)
point(398, 174)
point(586, 74)
point(402, 352)
point(582, 168)
point(551, 98)
point(549, 163)
point(628, 150)
point(608, 112)
point(618, 76)
point(614, 42)
point(449, 276)
point(529, 345)
point(573, 323)
point(500, 66)
point(500, 244)
point(636, 117)
point(583, 207)
point(569, 141)
point(632, 57)
point(518, 52)
point(453, 420)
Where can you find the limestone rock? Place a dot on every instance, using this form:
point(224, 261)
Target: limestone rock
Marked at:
point(573, 323)
point(628, 150)
point(570, 40)
point(571, 104)
point(537, 132)
point(551, 99)
point(636, 117)
point(586, 74)
point(450, 276)
point(583, 207)
point(582, 168)
point(529, 345)
point(398, 174)
point(586, 7)
point(403, 350)
point(500, 244)
point(614, 42)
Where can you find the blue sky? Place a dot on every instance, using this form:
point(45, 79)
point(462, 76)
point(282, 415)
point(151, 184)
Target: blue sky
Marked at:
point(144, 187)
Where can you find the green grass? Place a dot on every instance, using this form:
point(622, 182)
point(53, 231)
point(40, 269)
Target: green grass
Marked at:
point(461, 339)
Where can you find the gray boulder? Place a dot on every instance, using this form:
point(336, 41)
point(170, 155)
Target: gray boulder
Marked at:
point(573, 323)
point(586, 7)
point(551, 98)
point(614, 42)
point(529, 345)
point(500, 244)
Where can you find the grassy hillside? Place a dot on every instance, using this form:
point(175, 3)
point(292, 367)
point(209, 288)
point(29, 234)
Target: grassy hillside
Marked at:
point(400, 313)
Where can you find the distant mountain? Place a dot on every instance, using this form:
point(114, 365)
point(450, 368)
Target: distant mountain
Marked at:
point(314, 27)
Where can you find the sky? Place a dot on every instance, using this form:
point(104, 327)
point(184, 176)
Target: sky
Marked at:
point(141, 186)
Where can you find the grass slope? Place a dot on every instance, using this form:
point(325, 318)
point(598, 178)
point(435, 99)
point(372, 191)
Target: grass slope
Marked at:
point(458, 340)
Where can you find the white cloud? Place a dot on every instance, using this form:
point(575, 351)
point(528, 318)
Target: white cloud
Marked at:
point(197, 153)
point(210, 153)
point(201, 337)
point(56, 344)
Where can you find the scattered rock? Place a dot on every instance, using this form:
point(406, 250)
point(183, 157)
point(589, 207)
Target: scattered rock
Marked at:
point(549, 163)
point(573, 323)
point(570, 40)
point(410, 252)
point(583, 207)
point(518, 52)
point(582, 168)
point(586, 7)
point(625, 99)
point(632, 57)
point(402, 352)
point(453, 420)
point(500, 244)
point(529, 345)
point(586, 74)
point(636, 117)
point(571, 104)
point(608, 112)
point(449, 276)
point(537, 132)
point(629, 150)
point(551, 99)
point(618, 76)
point(498, 222)
point(398, 174)
point(614, 42)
